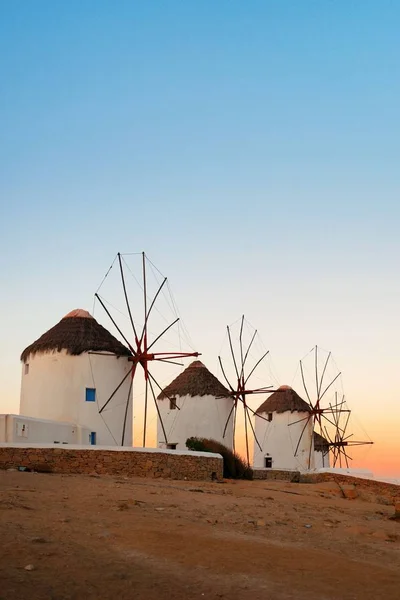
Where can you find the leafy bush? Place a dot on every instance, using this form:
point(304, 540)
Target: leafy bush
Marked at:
point(234, 466)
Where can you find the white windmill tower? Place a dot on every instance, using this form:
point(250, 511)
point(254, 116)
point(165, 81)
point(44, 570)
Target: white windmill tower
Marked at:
point(70, 371)
point(279, 423)
point(195, 404)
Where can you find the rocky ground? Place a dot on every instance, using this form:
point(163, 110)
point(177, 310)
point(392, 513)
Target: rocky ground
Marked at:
point(82, 537)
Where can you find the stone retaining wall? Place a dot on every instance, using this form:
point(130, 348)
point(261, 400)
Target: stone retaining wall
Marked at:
point(276, 474)
point(379, 489)
point(136, 463)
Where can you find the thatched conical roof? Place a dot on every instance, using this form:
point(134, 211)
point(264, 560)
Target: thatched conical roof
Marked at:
point(320, 443)
point(76, 333)
point(196, 380)
point(284, 399)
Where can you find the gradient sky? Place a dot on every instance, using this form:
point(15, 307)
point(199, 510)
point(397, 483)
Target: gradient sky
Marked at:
point(251, 148)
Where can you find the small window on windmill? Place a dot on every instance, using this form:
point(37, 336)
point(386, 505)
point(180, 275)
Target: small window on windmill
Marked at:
point(269, 417)
point(171, 446)
point(172, 403)
point(268, 462)
point(90, 395)
point(26, 368)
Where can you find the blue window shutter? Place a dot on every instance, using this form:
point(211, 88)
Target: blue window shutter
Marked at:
point(90, 394)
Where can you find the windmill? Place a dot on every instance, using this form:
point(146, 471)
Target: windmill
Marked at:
point(239, 388)
point(340, 442)
point(328, 413)
point(139, 333)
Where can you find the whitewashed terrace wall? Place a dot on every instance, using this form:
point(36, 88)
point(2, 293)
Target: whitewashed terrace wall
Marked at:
point(26, 430)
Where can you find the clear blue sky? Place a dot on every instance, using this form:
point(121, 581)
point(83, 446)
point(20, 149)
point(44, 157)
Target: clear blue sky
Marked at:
point(251, 148)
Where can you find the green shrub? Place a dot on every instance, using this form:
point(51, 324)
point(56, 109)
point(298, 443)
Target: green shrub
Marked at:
point(234, 466)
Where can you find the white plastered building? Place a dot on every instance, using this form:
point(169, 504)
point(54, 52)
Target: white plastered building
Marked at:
point(195, 404)
point(286, 436)
point(68, 374)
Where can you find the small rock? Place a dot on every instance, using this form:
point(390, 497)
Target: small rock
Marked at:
point(160, 509)
point(39, 540)
point(104, 534)
point(11, 469)
point(65, 520)
point(381, 535)
point(140, 503)
point(260, 523)
point(349, 491)
point(308, 526)
point(29, 568)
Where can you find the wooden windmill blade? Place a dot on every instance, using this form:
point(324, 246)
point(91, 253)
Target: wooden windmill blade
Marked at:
point(316, 390)
point(138, 342)
point(238, 389)
point(342, 438)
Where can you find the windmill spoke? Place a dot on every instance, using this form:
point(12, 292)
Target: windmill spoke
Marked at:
point(232, 352)
point(253, 430)
point(151, 307)
point(301, 435)
point(327, 388)
point(161, 389)
point(241, 347)
point(345, 454)
point(126, 412)
point(157, 408)
point(256, 414)
point(247, 351)
point(316, 373)
point(304, 383)
point(346, 424)
point(162, 333)
point(114, 323)
point(246, 435)
point(116, 390)
point(145, 412)
point(332, 406)
point(311, 449)
point(357, 443)
point(224, 374)
point(170, 362)
point(323, 373)
point(331, 422)
point(144, 332)
point(255, 366)
point(227, 421)
point(126, 295)
point(234, 428)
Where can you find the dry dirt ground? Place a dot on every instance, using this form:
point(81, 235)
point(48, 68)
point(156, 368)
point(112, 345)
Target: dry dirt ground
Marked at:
point(109, 537)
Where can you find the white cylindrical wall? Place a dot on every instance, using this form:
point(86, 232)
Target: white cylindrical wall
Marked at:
point(54, 387)
point(279, 440)
point(321, 459)
point(199, 416)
